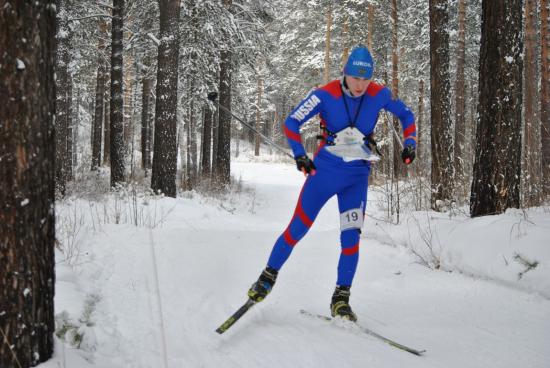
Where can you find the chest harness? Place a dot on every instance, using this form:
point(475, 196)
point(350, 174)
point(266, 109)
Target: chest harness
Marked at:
point(328, 136)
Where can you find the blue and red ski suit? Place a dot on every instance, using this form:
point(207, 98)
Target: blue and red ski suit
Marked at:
point(334, 176)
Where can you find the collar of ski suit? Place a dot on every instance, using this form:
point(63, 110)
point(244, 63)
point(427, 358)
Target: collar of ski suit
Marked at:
point(346, 90)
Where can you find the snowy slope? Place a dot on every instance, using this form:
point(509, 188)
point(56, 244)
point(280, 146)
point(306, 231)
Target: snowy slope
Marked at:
point(207, 255)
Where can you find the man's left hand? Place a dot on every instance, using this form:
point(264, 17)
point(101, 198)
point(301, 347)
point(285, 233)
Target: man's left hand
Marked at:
point(408, 154)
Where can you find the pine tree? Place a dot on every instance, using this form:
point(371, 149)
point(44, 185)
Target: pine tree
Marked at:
point(545, 93)
point(116, 107)
point(27, 188)
point(496, 181)
point(441, 137)
point(163, 178)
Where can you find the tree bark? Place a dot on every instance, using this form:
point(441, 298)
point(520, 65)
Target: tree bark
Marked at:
point(62, 102)
point(545, 93)
point(223, 166)
point(107, 126)
point(531, 172)
point(420, 122)
point(496, 181)
point(145, 124)
point(460, 103)
point(258, 116)
point(370, 25)
point(398, 167)
point(326, 74)
point(441, 129)
point(97, 126)
point(117, 107)
point(69, 173)
point(163, 177)
point(27, 187)
point(206, 142)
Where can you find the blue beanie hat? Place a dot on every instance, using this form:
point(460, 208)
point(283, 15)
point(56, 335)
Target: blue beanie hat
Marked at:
point(359, 63)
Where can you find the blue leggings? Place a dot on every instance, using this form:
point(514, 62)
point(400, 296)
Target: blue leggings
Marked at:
point(351, 188)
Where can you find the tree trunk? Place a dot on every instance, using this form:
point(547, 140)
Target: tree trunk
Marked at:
point(206, 141)
point(545, 93)
point(398, 167)
point(107, 126)
point(62, 102)
point(370, 25)
point(496, 181)
point(258, 116)
point(441, 130)
point(345, 37)
point(223, 166)
point(165, 153)
point(97, 126)
point(192, 145)
point(128, 94)
point(69, 173)
point(420, 122)
point(117, 108)
point(460, 103)
point(531, 171)
point(27, 187)
point(145, 125)
point(326, 74)
point(215, 136)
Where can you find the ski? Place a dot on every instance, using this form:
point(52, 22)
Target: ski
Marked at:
point(235, 316)
point(367, 331)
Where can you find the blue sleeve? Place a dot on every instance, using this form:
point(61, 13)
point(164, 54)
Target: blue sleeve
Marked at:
point(405, 116)
point(306, 109)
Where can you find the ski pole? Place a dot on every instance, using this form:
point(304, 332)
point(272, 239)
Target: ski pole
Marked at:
point(212, 96)
point(397, 137)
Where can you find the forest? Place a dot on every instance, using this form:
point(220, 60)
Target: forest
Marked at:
point(109, 99)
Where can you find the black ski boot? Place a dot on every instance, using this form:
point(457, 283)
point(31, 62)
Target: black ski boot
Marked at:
point(259, 290)
point(339, 307)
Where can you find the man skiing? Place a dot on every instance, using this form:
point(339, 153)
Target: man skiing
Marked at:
point(348, 107)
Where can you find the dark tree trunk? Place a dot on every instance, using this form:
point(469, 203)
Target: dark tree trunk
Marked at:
point(117, 108)
point(146, 125)
point(215, 135)
point(97, 126)
point(398, 167)
point(206, 141)
point(107, 127)
point(545, 93)
point(69, 174)
point(258, 117)
point(496, 181)
point(460, 103)
point(62, 101)
point(27, 188)
point(223, 160)
point(191, 145)
point(441, 131)
point(531, 171)
point(165, 153)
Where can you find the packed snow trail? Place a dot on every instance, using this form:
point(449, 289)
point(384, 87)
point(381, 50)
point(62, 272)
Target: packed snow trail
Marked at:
point(208, 257)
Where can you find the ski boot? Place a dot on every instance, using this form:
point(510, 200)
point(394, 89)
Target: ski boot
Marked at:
point(339, 307)
point(259, 290)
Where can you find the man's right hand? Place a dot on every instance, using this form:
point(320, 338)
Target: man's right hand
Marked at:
point(305, 165)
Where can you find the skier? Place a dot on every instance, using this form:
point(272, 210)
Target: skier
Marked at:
point(348, 107)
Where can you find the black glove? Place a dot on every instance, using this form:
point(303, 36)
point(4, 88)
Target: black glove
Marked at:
point(408, 154)
point(305, 165)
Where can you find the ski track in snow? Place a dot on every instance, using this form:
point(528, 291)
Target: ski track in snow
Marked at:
point(208, 258)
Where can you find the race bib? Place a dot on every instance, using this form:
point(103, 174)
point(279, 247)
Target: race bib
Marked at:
point(351, 219)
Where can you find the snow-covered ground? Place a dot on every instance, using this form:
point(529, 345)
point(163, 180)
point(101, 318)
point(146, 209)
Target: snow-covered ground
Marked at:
point(480, 309)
